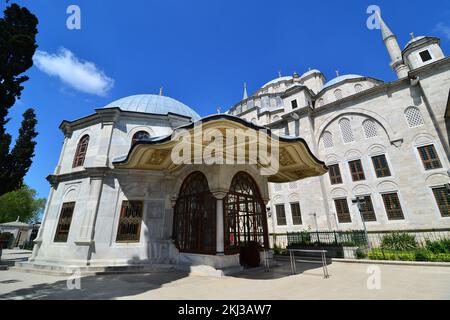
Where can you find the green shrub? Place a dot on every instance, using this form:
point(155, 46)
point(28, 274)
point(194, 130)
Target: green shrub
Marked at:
point(360, 254)
point(423, 255)
point(406, 256)
point(399, 242)
point(441, 257)
point(440, 246)
point(376, 254)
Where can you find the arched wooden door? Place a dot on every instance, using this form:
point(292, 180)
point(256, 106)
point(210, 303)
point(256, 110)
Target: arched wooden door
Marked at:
point(194, 225)
point(244, 215)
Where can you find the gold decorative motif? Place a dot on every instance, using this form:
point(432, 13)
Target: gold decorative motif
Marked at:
point(158, 157)
point(285, 158)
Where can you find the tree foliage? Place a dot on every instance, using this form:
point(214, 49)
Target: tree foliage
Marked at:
point(18, 30)
point(21, 203)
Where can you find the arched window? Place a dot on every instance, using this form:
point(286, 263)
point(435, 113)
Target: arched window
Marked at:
point(80, 154)
point(346, 130)
point(414, 117)
point(370, 129)
point(245, 215)
point(338, 94)
point(327, 139)
point(194, 226)
point(276, 118)
point(358, 88)
point(141, 135)
point(320, 102)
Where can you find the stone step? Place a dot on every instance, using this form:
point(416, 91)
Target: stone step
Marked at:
point(56, 270)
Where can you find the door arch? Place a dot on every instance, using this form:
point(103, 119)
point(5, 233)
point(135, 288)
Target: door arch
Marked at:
point(194, 225)
point(244, 215)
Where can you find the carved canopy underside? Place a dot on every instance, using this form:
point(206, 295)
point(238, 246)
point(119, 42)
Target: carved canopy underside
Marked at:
point(296, 161)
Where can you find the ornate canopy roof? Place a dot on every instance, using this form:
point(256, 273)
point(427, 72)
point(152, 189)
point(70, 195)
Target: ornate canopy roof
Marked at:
point(294, 160)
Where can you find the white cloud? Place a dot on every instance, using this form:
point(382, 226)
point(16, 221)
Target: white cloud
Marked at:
point(81, 75)
point(443, 29)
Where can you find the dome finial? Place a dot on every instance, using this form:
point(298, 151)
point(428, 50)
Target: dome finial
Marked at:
point(279, 74)
point(219, 110)
point(412, 35)
point(337, 73)
point(161, 91)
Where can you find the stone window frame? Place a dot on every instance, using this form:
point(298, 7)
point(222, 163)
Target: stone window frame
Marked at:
point(346, 131)
point(336, 177)
point(139, 228)
point(409, 120)
point(387, 164)
point(370, 132)
point(402, 208)
point(347, 219)
point(438, 206)
point(438, 165)
point(81, 151)
point(326, 145)
point(68, 206)
point(278, 219)
point(291, 205)
point(374, 218)
point(357, 175)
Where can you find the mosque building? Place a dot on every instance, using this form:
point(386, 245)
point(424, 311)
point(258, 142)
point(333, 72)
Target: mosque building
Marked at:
point(118, 198)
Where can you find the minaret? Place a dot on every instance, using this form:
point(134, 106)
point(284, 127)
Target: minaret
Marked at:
point(390, 40)
point(245, 91)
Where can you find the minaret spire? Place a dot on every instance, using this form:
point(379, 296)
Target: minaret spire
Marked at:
point(391, 43)
point(245, 91)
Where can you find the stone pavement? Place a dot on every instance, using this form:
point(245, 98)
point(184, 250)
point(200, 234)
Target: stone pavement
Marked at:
point(347, 281)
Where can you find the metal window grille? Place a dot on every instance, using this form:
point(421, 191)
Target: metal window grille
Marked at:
point(358, 88)
point(430, 158)
point(335, 174)
point(281, 215)
point(367, 210)
point(342, 211)
point(296, 213)
point(357, 170)
point(443, 200)
point(393, 207)
point(64, 222)
point(381, 166)
point(194, 227)
point(244, 214)
point(338, 94)
point(81, 151)
point(130, 221)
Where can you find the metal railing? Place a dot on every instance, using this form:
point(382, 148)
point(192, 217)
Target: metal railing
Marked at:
point(355, 238)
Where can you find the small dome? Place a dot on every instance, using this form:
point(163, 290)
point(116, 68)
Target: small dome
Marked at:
point(310, 72)
point(414, 40)
point(341, 78)
point(150, 103)
point(274, 81)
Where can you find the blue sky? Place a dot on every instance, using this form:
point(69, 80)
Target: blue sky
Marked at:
point(200, 51)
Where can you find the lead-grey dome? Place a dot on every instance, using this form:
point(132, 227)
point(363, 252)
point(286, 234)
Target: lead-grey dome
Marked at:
point(150, 103)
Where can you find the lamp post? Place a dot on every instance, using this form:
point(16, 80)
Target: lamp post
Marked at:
point(360, 201)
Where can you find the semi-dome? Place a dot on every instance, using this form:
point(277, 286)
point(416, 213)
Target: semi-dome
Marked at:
point(274, 81)
point(341, 78)
point(150, 103)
